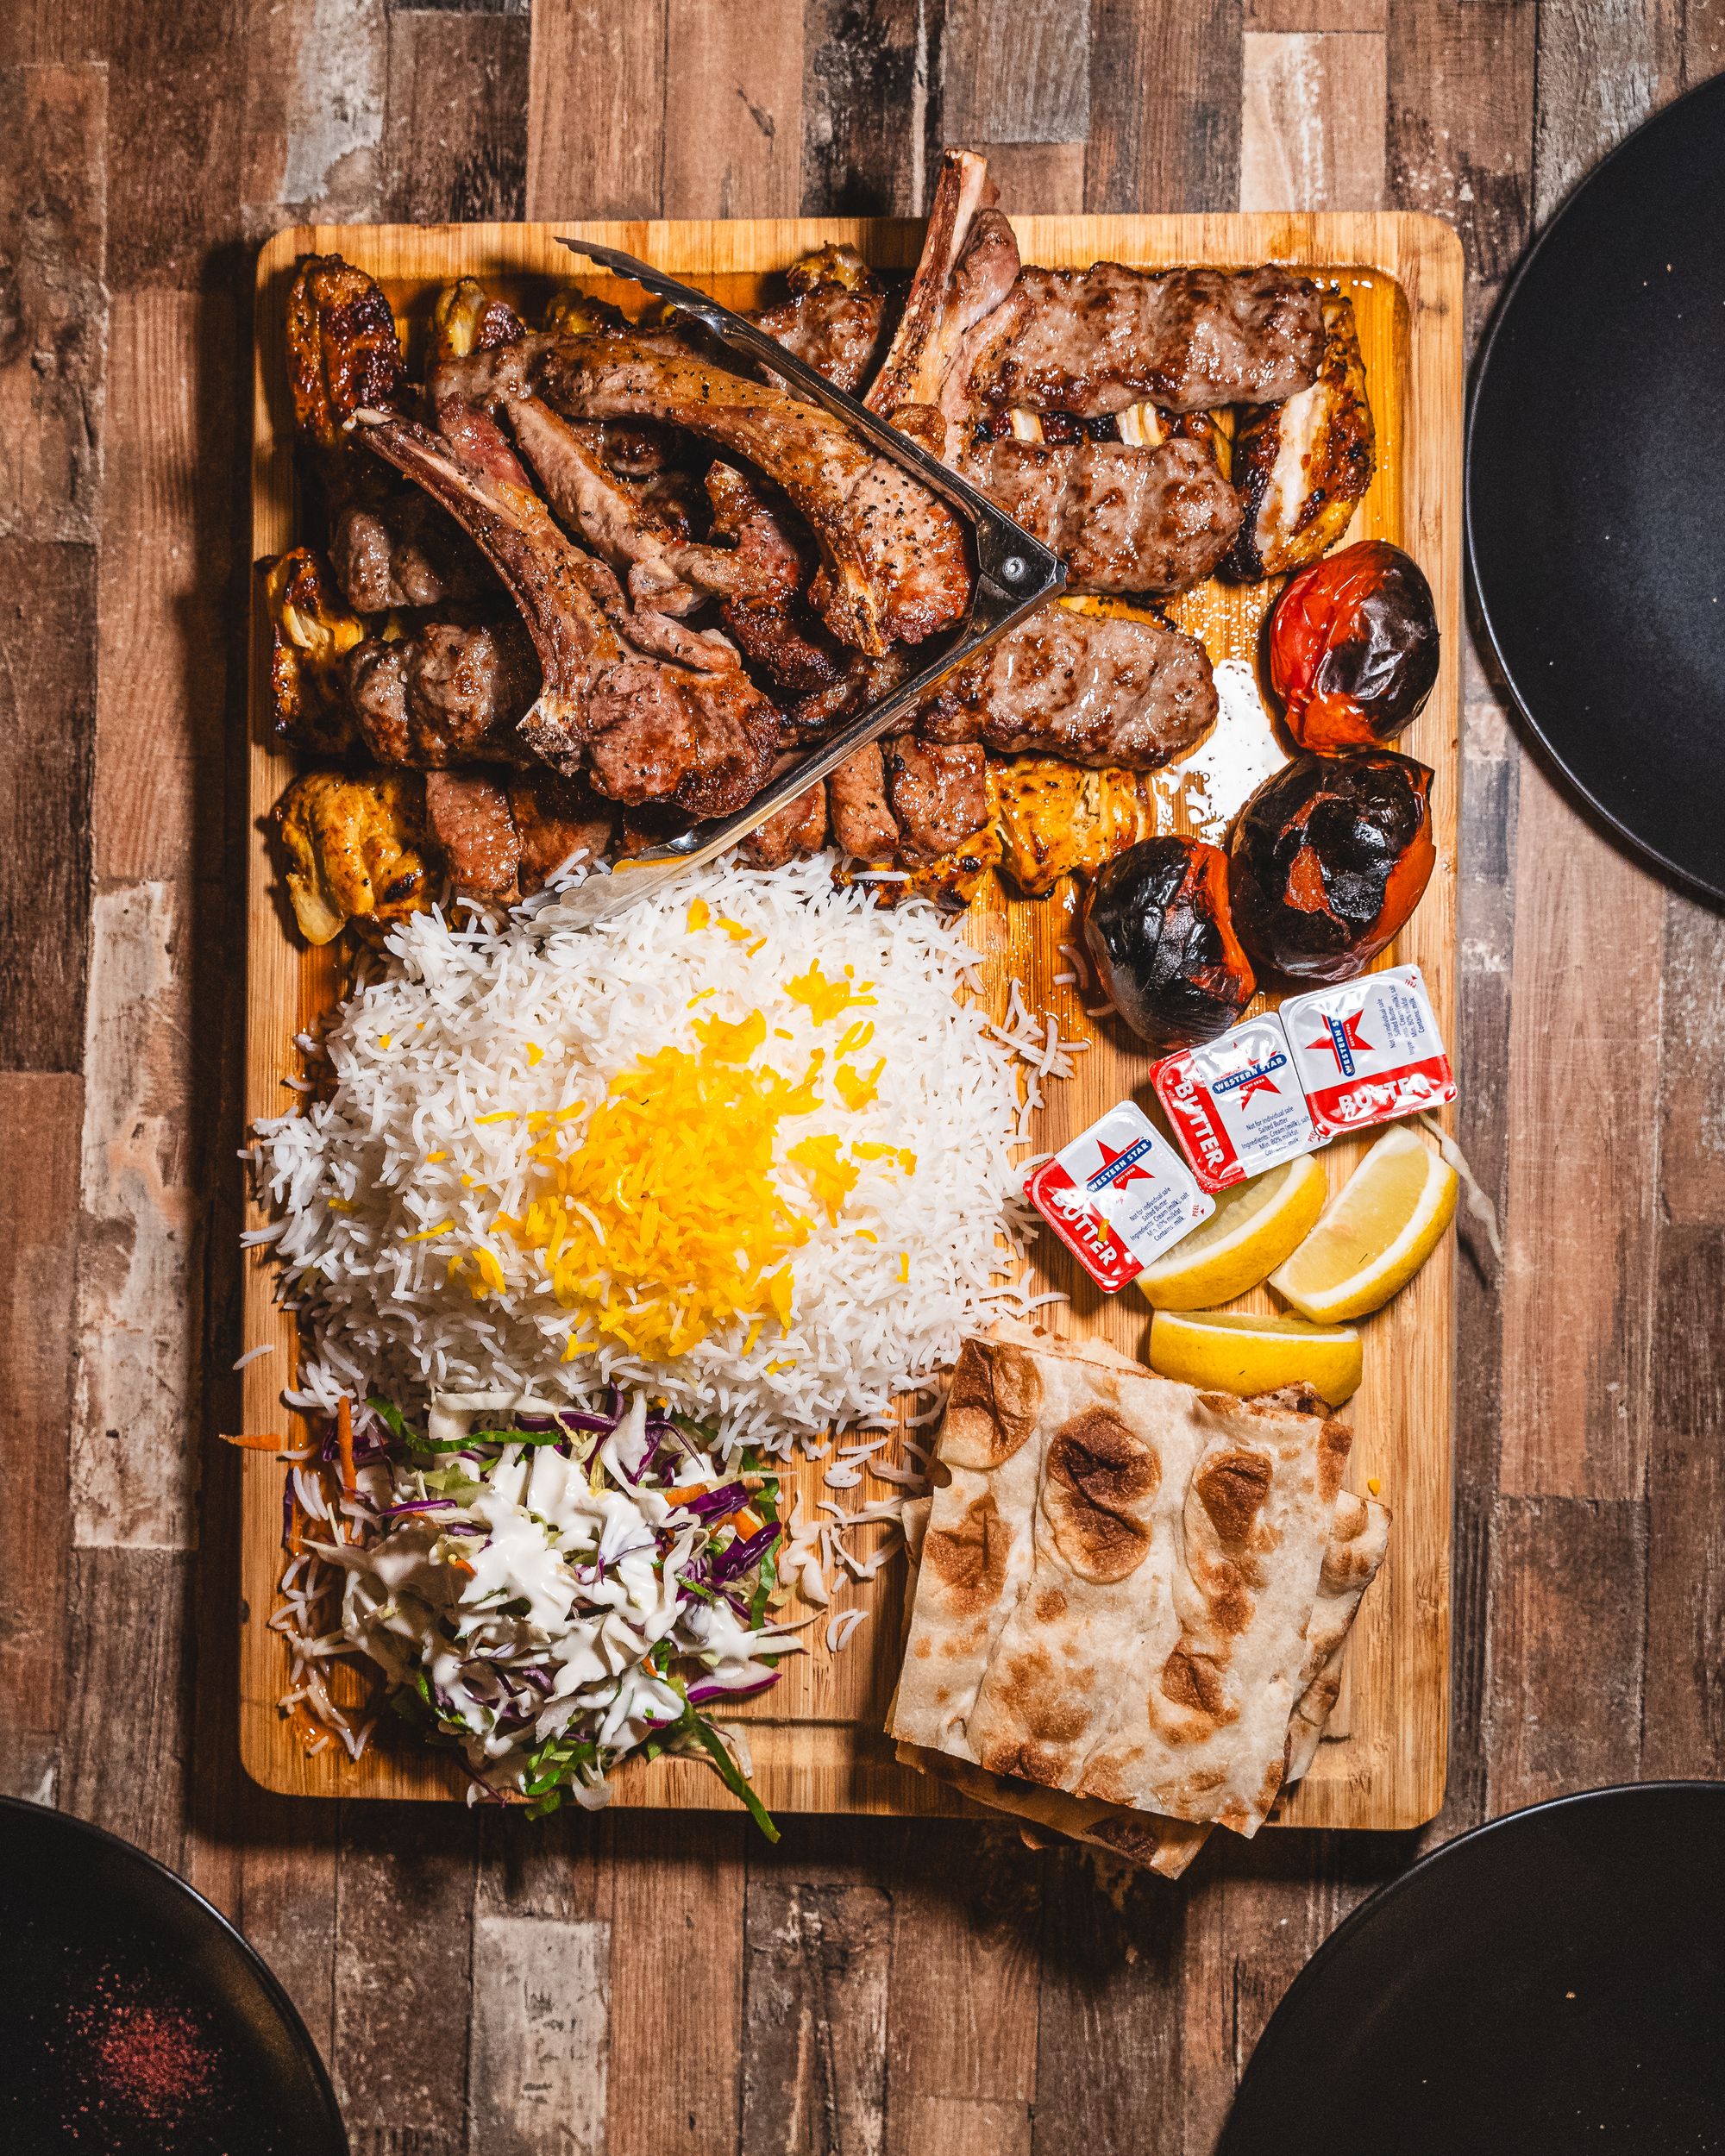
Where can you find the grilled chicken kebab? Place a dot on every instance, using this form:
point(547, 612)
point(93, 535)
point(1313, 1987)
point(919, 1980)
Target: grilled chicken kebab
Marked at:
point(586, 584)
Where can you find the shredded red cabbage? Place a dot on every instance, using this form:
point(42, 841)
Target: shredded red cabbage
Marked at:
point(744, 1555)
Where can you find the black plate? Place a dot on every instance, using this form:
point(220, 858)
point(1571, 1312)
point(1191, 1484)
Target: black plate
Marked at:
point(1596, 488)
point(133, 2018)
point(1552, 1982)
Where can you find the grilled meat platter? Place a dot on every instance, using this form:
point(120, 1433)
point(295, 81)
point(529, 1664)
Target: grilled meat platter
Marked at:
point(572, 585)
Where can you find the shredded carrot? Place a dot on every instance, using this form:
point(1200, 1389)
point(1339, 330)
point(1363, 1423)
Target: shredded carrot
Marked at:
point(344, 1445)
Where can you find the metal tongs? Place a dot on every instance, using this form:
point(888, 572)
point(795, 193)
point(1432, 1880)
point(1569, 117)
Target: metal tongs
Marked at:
point(1015, 573)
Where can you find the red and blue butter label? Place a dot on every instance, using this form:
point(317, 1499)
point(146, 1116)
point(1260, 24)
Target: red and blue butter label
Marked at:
point(1235, 1103)
point(1117, 1196)
point(1368, 1050)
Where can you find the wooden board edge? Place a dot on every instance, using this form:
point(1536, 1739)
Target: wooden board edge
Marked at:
point(1424, 256)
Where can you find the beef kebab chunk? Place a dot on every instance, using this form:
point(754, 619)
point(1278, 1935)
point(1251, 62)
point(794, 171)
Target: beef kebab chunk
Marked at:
point(894, 569)
point(444, 694)
point(862, 820)
point(505, 834)
point(939, 794)
point(399, 550)
point(794, 831)
point(1124, 691)
point(1094, 340)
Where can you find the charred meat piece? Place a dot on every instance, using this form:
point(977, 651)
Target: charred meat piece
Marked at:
point(356, 847)
point(468, 817)
point(467, 319)
point(311, 633)
point(969, 262)
point(1303, 465)
point(795, 831)
point(1103, 688)
point(833, 317)
point(893, 566)
point(1123, 519)
point(342, 349)
point(651, 730)
point(559, 822)
point(940, 795)
point(1096, 339)
point(1056, 819)
point(863, 824)
point(445, 694)
point(863, 682)
point(400, 551)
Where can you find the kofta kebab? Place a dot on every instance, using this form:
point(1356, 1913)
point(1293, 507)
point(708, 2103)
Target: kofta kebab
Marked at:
point(586, 584)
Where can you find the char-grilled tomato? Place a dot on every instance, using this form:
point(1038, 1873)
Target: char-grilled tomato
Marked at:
point(1329, 857)
point(1353, 648)
point(1157, 928)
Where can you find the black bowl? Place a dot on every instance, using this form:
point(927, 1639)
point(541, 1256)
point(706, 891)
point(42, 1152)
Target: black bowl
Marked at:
point(1552, 1982)
point(1594, 501)
point(133, 2017)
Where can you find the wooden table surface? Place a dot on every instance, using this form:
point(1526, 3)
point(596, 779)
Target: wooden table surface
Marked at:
point(652, 1984)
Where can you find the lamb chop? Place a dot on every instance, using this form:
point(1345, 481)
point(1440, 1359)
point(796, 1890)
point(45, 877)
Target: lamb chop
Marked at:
point(691, 728)
point(665, 572)
point(892, 557)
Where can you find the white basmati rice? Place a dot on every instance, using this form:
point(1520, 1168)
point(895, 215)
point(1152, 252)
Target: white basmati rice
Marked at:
point(441, 1035)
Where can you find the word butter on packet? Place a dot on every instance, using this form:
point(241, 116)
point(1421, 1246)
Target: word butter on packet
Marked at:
point(1235, 1103)
point(1117, 1196)
point(1368, 1050)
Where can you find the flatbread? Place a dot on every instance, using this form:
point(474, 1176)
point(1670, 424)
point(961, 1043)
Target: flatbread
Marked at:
point(1119, 1580)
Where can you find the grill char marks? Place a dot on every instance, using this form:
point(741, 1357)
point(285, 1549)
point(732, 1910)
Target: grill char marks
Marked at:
point(1094, 340)
point(1123, 518)
point(1121, 691)
point(893, 558)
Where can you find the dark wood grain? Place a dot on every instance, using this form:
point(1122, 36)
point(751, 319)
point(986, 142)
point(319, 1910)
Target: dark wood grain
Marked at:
point(909, 1991)
point(54, 148)
point(403, 1957)
point(867, 105)
point(445, 64)
point(816, 1962)
point(47, 727)
point(39, 1118)
point(1012, 72)
point(1178, 148)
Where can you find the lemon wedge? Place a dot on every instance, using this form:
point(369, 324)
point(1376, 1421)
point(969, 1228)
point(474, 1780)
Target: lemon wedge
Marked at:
point(1239, 1351)
point(1383, 1224)
point(1255, 1226)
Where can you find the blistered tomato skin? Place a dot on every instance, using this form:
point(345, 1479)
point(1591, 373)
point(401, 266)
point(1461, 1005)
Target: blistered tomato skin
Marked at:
point(1353, 648)
point(1329, 857)
point(1159, 930)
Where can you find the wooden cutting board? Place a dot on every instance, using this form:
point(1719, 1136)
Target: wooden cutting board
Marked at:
point(816, 1738)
